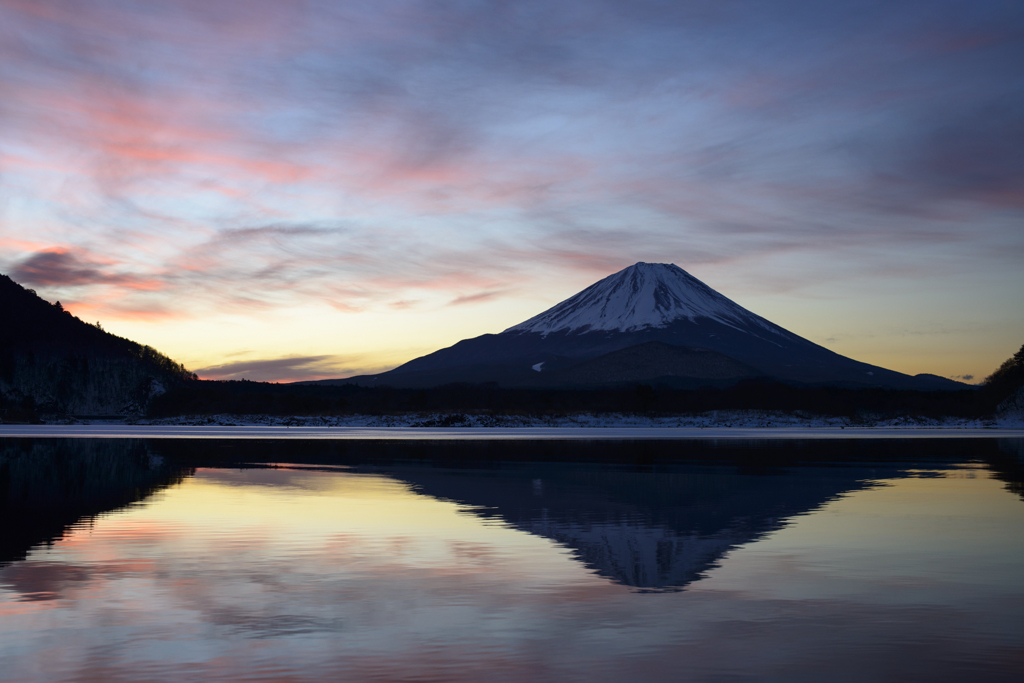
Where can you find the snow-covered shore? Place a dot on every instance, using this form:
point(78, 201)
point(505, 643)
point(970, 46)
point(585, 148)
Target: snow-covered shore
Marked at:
point(750, 419)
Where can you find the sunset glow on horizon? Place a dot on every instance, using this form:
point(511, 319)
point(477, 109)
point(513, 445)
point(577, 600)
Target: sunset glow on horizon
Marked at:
point(289, 190)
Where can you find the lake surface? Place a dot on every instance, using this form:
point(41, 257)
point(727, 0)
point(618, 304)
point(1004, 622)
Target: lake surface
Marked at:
point(840, 560)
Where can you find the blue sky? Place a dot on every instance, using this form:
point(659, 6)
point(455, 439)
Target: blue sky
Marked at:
point(294, 189)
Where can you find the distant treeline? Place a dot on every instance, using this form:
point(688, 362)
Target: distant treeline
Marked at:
point(258, 398)
point(247, 398)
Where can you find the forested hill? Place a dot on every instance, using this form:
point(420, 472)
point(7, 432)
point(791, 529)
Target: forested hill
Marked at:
point(52, 362)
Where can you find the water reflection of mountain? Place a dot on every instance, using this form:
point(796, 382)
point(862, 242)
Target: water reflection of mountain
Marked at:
point(653, 529)
point(654, 514)
point(50, 485)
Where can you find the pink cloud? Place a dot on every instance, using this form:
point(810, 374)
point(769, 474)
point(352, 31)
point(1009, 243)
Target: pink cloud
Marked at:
point(108, 309)
point(477, 298)
point(15, 244)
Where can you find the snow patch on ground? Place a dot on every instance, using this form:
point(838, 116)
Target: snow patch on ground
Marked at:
point(760, 419)
point(1010, 412)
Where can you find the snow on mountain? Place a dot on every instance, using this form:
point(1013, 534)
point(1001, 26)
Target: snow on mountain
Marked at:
point(645, 295)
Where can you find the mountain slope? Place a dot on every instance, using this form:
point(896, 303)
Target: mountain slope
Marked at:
point(644, 303)
point(52, 362)
point(651, 361)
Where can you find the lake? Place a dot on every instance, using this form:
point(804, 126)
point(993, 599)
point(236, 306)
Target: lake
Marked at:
point(525, 559)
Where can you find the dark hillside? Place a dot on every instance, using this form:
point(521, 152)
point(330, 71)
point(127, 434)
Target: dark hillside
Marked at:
point(1004, 388)
point(1008, 377)
point(52, 362)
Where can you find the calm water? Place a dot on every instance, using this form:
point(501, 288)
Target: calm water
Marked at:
point(290, 561)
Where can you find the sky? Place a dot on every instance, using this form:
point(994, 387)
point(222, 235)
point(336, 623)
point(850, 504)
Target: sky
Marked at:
point(293, 189)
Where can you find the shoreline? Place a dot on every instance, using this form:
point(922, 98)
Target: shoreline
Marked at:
point(716, 419)
point(138, 431)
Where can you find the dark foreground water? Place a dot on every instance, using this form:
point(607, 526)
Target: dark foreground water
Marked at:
point(132, 560)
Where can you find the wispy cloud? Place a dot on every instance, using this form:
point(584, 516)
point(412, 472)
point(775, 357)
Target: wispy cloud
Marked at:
point(479, 297)
point(63, 268)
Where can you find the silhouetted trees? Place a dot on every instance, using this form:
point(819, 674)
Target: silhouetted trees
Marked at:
point(50, 361)
point(248, 398)
point(1009, 376)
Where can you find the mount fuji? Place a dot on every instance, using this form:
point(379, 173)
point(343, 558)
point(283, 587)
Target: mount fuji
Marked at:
point(650, 322)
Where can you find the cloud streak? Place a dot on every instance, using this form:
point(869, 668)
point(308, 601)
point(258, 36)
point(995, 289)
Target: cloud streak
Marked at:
point(291, 369)
point(63, 268)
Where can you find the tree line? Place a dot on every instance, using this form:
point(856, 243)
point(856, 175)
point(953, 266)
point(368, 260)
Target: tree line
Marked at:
point(250, 398)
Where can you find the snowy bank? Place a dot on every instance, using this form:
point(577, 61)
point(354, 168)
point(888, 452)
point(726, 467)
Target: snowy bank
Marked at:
point(757, 419)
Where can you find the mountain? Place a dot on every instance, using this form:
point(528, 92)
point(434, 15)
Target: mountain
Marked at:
point(52, 362)
point(647, 302)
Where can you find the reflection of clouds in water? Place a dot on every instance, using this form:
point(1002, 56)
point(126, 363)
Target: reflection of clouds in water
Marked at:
point(34, 581)
point(300, 478)
point(252, 586)
point(251, 624)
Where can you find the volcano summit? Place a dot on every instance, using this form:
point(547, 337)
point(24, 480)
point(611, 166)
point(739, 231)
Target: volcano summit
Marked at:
point(647, 295)
point(651, 322)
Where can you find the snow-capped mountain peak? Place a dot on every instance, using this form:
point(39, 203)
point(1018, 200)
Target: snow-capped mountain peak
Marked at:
point(644, 295)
